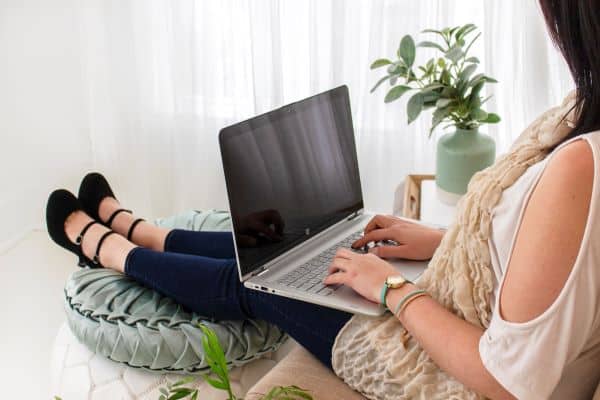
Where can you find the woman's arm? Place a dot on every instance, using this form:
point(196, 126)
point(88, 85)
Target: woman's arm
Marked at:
point(450, 341)
point(550, 234)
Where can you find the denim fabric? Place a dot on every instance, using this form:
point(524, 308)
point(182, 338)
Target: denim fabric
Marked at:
point(198, 271)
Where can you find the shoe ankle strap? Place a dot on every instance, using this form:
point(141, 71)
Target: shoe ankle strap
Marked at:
point(83, 232)
point(132, 227)
point(114, 215)
point(96, 259)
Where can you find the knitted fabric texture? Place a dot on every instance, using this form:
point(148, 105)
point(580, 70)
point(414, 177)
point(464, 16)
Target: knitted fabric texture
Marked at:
point(376, 356)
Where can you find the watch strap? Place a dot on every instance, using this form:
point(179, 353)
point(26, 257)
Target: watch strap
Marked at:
point(383, 293)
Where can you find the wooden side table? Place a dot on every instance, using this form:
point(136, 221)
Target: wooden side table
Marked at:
point(417, 198)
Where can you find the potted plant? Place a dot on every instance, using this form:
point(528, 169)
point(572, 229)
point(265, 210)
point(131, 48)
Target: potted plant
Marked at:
point(451, 87)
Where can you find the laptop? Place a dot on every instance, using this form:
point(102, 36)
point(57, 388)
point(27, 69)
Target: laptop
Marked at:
point(295, 197)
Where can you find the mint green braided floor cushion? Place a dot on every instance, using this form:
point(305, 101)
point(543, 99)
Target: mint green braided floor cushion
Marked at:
point(124, 321)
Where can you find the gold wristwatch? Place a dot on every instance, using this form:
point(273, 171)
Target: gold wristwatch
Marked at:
point(392, 282)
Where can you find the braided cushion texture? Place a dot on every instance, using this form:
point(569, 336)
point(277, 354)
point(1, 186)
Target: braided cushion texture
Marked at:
point(115, 317)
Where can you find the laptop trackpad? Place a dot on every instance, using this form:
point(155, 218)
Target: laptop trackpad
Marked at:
point(411, 270)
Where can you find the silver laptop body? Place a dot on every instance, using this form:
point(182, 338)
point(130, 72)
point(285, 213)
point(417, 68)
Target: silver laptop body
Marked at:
point(295, 197)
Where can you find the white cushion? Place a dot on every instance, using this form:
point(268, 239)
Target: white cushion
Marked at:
point(77, 373)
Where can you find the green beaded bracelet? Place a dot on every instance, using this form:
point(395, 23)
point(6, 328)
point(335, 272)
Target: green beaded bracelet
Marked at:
point(407, 298)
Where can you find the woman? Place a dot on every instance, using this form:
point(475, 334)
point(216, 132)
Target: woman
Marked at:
point(541, 338)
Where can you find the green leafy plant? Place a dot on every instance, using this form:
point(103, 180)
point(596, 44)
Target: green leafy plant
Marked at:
point(219, 377)
point(447, 84)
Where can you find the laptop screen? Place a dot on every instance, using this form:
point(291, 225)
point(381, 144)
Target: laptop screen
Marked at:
point(290, 174)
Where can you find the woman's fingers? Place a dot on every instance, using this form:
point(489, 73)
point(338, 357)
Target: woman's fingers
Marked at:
point(375, 236)
point(400, 251)
point(339, 264)
point(377, 222)
point(336, 279)
point(344, 253)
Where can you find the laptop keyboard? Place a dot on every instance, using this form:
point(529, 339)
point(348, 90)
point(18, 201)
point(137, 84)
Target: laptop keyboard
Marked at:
point(309, 276)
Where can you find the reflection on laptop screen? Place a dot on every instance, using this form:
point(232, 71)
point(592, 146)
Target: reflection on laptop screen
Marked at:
point(290, 174)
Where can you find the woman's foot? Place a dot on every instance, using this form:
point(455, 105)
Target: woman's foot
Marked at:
point(114, 250)
point(71, 228)
point(100, 202)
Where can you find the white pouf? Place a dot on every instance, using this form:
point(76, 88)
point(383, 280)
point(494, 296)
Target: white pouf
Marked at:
point(79, 374)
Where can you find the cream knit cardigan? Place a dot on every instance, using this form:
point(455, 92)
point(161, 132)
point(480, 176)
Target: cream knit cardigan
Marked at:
point(376, 356)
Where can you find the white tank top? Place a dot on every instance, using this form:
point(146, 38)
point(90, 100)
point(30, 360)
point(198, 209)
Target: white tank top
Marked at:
point(557, 354)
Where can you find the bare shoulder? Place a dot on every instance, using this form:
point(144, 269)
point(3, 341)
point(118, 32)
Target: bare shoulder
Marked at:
point(550, 236)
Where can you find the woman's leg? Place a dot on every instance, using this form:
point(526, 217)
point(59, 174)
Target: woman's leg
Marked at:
point(145, 234)
point(212, 288)
point(207, 244)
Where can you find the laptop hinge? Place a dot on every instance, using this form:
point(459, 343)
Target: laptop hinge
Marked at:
point(258, 272)
point(352, 216)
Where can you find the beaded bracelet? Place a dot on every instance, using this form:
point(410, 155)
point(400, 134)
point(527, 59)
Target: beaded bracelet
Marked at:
point(407, 299)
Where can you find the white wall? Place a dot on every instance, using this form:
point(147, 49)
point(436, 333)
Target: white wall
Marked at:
point(42, 112)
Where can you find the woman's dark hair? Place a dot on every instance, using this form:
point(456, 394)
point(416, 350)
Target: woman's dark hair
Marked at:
point(574, 26)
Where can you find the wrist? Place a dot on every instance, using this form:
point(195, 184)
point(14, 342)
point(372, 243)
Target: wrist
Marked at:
point(395, 296)
point(392, 282)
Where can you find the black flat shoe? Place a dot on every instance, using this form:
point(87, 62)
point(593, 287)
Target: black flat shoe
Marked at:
point(61, 204)
point(93, 189)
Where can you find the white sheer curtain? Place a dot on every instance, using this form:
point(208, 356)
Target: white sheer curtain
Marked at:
point(164, 77)
point(160, 78)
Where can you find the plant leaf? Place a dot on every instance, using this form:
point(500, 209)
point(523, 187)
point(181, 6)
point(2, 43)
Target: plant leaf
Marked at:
point(472, 42)
point(432, 31)
point(396, 92)
point(216, 383)
point(473, 60)
point(455, 54)
point(464, 31)
point(430, 98)
point(466, 73)
point(182, 391)
point(178, 396)
point(442, 103)
point(379, 82)
point(491, 119)
point(432, 45)
point(276, 391)
point(432, 86)
point(478, 114)
point(476, 80)
point(414, 107)
point(407, 50)
point(380, 63)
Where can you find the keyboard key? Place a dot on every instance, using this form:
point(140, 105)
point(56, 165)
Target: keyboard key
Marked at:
point(309, 276)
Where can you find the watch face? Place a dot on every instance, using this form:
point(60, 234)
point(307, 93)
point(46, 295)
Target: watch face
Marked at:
point(395, 280)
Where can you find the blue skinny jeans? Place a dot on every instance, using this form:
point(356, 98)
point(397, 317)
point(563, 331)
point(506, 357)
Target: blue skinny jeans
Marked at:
point(198, 270)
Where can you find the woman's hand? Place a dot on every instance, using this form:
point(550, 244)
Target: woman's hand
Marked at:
point(365, 273)
point(415, 241)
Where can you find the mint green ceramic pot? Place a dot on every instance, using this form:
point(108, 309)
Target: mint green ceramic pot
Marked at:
point(459, 156)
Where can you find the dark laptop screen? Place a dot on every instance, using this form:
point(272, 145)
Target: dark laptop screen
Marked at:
point(290, 174)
